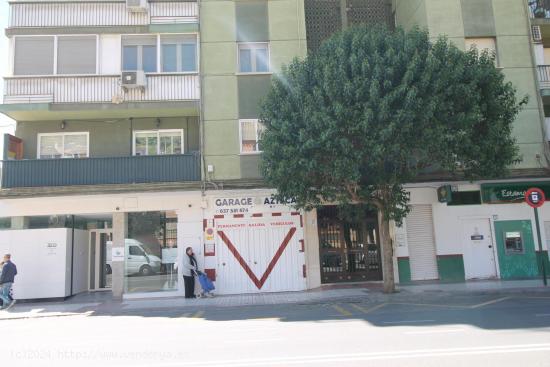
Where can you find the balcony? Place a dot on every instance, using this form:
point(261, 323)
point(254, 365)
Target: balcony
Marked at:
point(100, 171)
point(99, 89)
point(95, 13)
point(544, 76)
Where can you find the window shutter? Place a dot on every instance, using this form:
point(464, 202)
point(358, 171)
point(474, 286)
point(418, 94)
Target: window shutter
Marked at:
point(421, 243)
point(34, 56)
point(76, 55)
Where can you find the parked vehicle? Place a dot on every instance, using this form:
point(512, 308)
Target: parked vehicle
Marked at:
point(137, 259)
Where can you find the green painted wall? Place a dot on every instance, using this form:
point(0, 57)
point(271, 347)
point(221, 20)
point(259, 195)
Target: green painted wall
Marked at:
point(544, 256)
point(521, 265)
point(508, 21)
point(478, 18)
point(252, 21)
point(111, 138)
point(404, 267)
point(227, 96)
point(252, 90)
point(451, 268)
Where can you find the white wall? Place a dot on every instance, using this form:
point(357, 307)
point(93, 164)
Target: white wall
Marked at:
point(81, 261)
point(110, 54)
point(41, 258)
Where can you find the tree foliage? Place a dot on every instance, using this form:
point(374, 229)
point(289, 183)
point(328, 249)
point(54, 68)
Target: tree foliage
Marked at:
point(374, 109)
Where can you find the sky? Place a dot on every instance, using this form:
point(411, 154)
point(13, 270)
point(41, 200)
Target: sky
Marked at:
point(7, 125)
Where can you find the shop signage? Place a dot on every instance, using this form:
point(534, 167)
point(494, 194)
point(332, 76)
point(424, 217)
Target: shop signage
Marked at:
point(117, 253)
point(506, 193)
point(245, 204)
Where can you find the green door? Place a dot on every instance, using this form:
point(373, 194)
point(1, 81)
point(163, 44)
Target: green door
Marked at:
point(516, 249)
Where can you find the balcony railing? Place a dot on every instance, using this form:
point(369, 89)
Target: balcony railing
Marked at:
point(100, 171)
point(544, 76)
point(99, 89)
point(93, 13)
point(539, 8)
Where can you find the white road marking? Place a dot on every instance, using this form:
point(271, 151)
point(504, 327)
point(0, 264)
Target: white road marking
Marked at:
point(434, 331)
point(407, 321)
point(339, 358)
point(489, 302)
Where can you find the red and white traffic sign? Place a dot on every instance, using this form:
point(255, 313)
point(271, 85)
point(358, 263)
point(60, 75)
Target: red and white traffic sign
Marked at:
point(535, 197)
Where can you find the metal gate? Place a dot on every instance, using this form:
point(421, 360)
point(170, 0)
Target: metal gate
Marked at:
point(260, 254)
point(349, 251)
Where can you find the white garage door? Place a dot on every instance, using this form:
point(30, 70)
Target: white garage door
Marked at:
point(420, 240)
point(261, 254)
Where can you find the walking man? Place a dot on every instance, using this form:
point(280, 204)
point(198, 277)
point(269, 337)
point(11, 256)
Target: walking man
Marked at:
point(9, 271)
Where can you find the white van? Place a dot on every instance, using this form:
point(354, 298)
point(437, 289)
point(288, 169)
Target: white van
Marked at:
point(137, 260)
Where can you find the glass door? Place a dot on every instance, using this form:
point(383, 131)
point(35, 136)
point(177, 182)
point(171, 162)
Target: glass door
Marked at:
point(100, 259)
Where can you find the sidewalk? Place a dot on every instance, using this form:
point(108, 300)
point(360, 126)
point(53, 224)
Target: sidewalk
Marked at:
point(101, 303)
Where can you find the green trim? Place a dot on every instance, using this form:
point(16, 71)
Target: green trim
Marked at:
point(174, 28)
point(451, 268)
point(512, 192)
point(132, 29)
point(404, 267)
point(76, 111)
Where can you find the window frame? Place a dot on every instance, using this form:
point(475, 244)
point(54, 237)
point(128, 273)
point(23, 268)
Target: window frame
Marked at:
point(476, 45)
point(55, 55)
point(250, 46)
point(158, 131)
point(158, 45)
point(63, 134)
point(179, 58)
point(257, 123)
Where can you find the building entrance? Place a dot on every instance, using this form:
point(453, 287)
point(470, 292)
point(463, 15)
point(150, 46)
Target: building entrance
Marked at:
point(100, 259)
point(349, 249)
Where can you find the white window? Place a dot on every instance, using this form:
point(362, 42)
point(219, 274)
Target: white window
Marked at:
point(158, 142)
point(139, 53)
point(250, 132)
point(253, 57)
point(178, 53)
point(63, 145)
point(481, 44)
point(51, 55)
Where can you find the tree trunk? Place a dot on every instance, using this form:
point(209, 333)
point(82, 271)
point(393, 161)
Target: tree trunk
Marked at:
point(386, 250)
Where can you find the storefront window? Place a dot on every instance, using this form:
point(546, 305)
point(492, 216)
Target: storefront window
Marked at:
point(151, 252)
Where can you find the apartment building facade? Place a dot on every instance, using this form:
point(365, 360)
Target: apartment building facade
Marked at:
point(137, 137)
point(476, 230)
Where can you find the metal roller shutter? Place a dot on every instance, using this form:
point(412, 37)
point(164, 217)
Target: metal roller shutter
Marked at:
point(421, 243)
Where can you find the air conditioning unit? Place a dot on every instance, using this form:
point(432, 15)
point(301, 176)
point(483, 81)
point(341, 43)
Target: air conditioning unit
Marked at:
point(537, 35)
point(136, 5)
point(133, 79)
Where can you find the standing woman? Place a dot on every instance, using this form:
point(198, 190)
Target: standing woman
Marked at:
point(189, 271)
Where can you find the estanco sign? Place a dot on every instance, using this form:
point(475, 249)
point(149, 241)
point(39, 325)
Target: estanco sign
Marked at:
point(506, 193)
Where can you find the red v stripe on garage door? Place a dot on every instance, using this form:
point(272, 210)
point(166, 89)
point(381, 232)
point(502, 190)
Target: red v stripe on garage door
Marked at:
point(259, 283)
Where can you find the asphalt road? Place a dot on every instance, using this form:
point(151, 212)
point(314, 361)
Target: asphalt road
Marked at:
point(441, 331)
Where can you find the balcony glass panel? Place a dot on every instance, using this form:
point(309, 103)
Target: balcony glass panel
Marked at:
point(169, 58)
point(129, 58)
point(51, 147)
point(149, 59)
point(189, 57)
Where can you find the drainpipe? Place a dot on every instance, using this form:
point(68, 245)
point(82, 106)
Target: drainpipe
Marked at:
point(72, 253)
point(542, 118)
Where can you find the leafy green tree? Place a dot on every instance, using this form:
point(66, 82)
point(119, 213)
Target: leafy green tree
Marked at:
point(374, 109)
